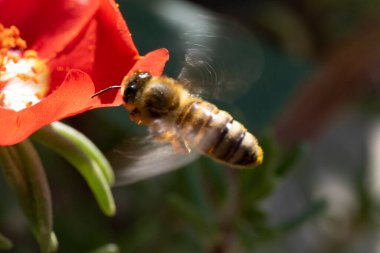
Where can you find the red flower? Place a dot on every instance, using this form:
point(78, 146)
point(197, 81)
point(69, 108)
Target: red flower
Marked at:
point(87, 47)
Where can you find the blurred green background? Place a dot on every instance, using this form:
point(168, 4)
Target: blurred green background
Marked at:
point(312, 103)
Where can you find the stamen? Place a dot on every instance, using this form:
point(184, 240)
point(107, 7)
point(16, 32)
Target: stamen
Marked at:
point(23, 76)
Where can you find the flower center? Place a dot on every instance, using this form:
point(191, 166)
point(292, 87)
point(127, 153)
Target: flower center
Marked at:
point(24, 77)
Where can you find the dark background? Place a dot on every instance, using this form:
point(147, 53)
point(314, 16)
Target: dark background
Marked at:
point(312, 103)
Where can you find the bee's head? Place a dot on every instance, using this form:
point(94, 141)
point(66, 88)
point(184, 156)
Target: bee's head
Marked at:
point(133, 85)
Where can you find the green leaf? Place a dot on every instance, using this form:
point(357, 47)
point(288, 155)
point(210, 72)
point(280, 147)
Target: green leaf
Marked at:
point(84, 156)
point(255, 185)
point(86, 146)
point(289, 160)
point(190, 212)
point(24, 172)
point(5, 243)
point(109, 248)
point(53, 242)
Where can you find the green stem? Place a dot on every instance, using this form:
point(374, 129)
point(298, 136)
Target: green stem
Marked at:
point(25, 174)
point(84, 156)
point(5, 243)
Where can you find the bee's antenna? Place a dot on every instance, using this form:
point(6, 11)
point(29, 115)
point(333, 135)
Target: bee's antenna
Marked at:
point(106, 89)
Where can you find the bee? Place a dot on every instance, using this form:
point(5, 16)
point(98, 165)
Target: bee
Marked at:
point(179, 120)
point(187, 121)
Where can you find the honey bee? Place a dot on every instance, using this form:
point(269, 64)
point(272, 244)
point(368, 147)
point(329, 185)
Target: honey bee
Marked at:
point(179, 120)
point(187, 121)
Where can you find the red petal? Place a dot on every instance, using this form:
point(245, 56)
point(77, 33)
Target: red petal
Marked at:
point(153, 63)
point(91, 39)
point(48, 26)
point(16, 126)
point(75, 34)
point(72, 97)
point(104, 49)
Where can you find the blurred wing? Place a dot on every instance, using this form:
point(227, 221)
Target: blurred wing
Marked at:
point(222, 59)
point(144, 158)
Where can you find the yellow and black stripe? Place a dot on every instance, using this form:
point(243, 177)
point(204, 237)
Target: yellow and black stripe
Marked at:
point(215, 133)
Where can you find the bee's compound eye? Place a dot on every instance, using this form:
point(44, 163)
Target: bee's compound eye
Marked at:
point(135, 83)
point(130, 92)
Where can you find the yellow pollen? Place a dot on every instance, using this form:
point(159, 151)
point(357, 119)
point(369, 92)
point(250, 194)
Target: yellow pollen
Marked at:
point(30, 54)
point(2, 97)
point(14, 57)
point(23, 75)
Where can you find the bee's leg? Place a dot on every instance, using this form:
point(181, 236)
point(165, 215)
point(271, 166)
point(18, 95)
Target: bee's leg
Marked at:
point(160, 132)
point(180, 145)
point(134, 115)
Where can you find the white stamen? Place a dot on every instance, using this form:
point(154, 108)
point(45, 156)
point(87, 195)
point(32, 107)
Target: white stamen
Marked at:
point(23, 87)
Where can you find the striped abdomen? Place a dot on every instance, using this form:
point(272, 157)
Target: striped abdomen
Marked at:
point(215, 133)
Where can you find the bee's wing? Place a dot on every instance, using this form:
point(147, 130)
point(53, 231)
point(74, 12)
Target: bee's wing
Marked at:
point(144, 158)
point(222, 59)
